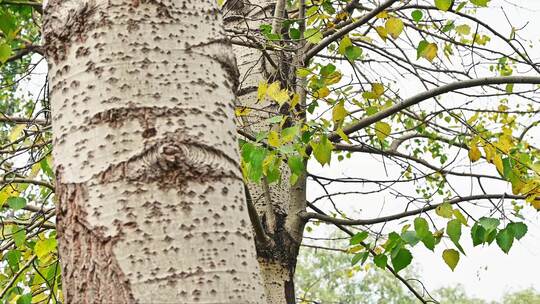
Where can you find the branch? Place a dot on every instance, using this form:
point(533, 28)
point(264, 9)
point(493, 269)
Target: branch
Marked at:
point(26, 181)
point(260, 234)
point(384, 219)
point(372, 252)
point(430, 94)
point(423, 162)
point(16, 276)
point(311, 52)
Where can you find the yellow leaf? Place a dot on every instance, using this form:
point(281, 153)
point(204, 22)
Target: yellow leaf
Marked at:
point(430, 52)
point(282, 97)
point(382, 32)
point(497, 161)
point(339, 112)
point(378, 89)
point(394, 27)
point(273, 90)
point(490, 152)
point(261, 91)
point(322, 92)
point(343, 135)
point(474, 153)
point(242, 111)
point(16, 132)
point(295, 100)
point(303, 72)
point(333, 78)
point(382, 15)
point(382, 130)
point(273, 139)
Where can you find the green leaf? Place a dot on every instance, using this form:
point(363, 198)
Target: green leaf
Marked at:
point(44, 247)
point(451, 258)
point(296, 164)
point(25, 299)
point(5, 52)
point(417, 15)
point(359, 256)
point(429, 242)
point(505, 239)
point(294, 33)
point(313, 35)
point(488, 223)
point(410, 238)
point(322, 150)
point(444, 210)
point(444, 5)
point(359, 237)
point(478, 234)
point(19, 236)
point(518, 229)
point(401, 259)
point(453, 230)
point(8, 23)
point(16, 203)
point(353, 52)
point(421, 227)
point(483, 3)
point(13, 257)
point(380, 260)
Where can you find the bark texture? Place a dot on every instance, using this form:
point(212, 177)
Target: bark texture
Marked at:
point(151, 200)
point(276, 204)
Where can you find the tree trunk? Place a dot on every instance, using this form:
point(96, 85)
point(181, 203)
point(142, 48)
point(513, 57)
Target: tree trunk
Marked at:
point(151, 206)
point(276, 204)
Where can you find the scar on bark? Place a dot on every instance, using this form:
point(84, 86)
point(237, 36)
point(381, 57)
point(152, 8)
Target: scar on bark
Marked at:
point(173, 163)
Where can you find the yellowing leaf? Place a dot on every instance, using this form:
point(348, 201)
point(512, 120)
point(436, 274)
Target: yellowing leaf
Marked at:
point(261, 91)
point(242, 111)
point(497, 161)
point(44, 247)
point(322, 92)
point(343, 136)
point(282, 97)
point(463, 29)
point(474, 153)
point(451, 258)
point(322, 150)
point(313, 35)
point(295, 100)
point(383, 33)
point(339, 112)
point(16, 132)
point(377, 89)
point(394, 27)
point(444, 5)
point(344, 44)
point(273, 139)
point(382, 15)
point(430, 52)
point(382, 130)
point(303, 72)
point(333, 78)
point(273, 90)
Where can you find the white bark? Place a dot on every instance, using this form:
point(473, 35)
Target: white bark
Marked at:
point(277, 204)
point(151, 201)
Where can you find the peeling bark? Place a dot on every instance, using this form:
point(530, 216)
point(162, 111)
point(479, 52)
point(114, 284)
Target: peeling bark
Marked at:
point(151, 205)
